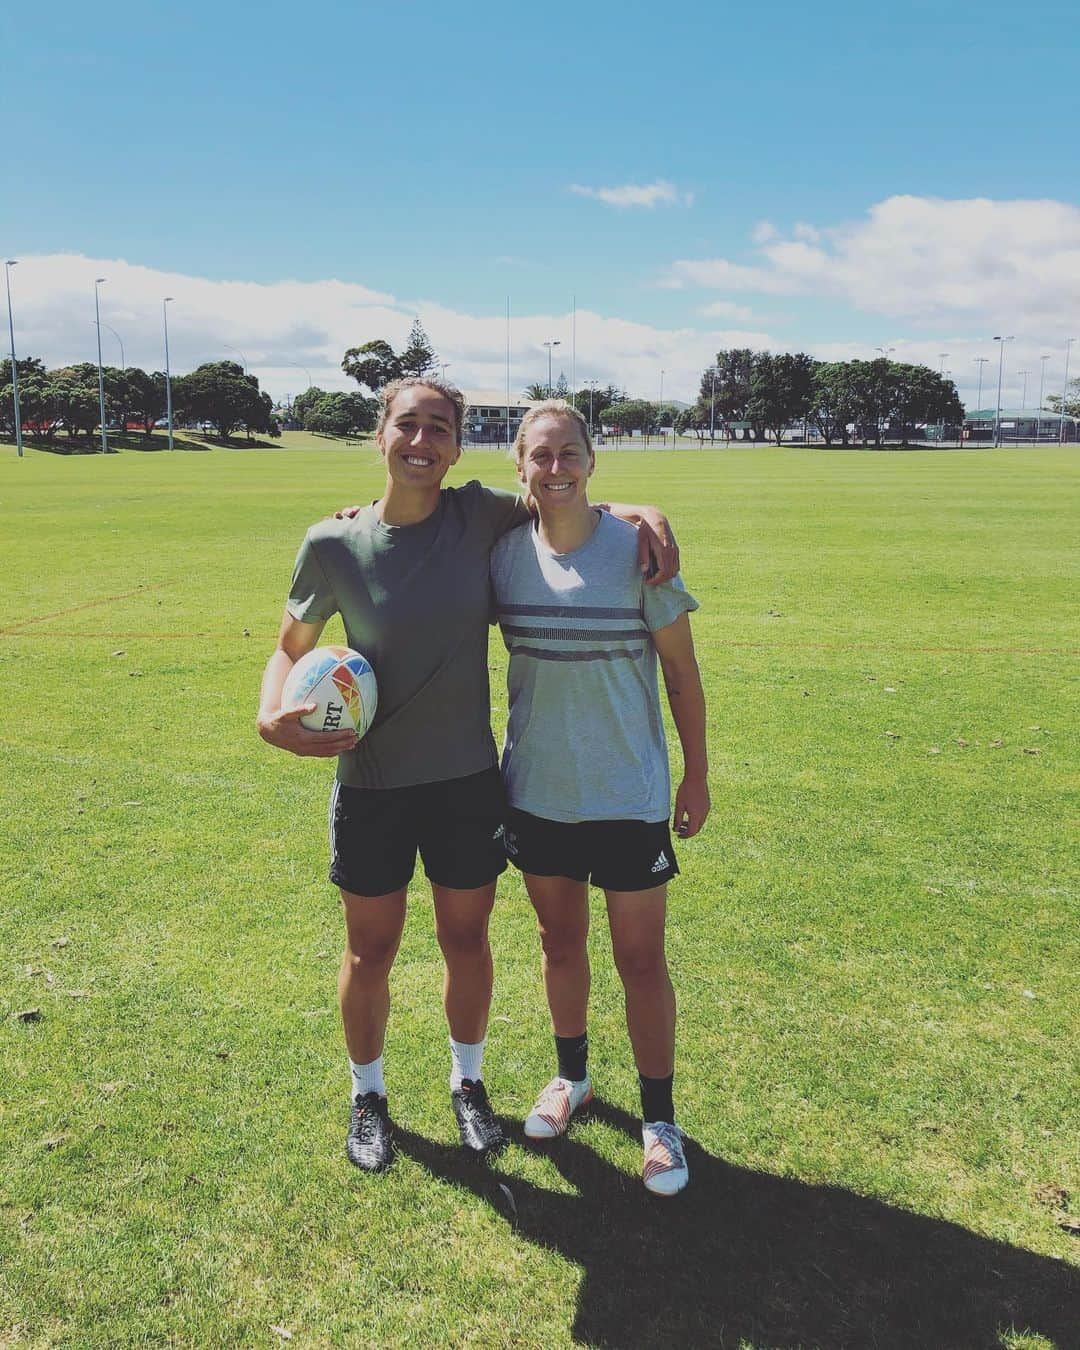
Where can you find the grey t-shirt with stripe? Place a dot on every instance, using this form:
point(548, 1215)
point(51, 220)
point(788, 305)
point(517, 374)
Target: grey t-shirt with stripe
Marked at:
point(415, 601)
point(585, 737)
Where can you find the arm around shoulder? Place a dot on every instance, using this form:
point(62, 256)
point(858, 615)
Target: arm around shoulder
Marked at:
point(658, 553)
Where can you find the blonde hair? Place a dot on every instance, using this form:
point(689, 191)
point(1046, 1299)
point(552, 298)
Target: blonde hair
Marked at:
point(390, 391)
point(550, 407)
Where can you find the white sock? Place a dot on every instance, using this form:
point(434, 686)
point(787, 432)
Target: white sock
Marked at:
point(367, 1078)
point(466, 1061)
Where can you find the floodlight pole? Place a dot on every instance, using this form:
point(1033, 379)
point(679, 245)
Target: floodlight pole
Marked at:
point(1001, 367)
point(941, 374)
point(712, 410)
point(1065, 391)
point(168, 373)
point(119, 339)
point(980, 361)
point(239, 353)
point(1023, 396)
point(100, 372)
point(660, 409)
point(553, 342)
point(886, 352)
point(1042, 382)
point(8, 265)
point(592, 386)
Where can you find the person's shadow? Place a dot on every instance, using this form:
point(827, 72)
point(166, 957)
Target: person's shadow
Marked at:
point(745, 1256)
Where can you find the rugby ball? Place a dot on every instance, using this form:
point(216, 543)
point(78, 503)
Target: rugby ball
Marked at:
point(340, 682)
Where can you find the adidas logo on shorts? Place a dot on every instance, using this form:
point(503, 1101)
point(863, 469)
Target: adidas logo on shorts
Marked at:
point(660, 863)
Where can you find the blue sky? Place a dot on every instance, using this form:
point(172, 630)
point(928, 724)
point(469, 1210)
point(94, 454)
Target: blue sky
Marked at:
point(443, 158)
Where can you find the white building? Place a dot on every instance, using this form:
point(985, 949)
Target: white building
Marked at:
point(488, 414)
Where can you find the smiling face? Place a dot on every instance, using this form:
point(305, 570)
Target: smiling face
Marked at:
point(419, 438)
point(556, 463)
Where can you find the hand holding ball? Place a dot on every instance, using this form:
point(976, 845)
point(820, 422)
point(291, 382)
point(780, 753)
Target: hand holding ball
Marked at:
point(340, 683)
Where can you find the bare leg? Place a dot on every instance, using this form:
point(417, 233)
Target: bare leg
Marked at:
point(636, 919)
point(373, 927)
point(461, 925)
point(562, 910)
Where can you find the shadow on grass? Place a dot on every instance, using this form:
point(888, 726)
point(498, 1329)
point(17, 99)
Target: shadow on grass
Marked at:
point(192, 440)
point(182, 440)
point(744, 1255)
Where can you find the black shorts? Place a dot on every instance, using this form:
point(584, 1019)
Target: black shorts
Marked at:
point(457, 825)
point(617, 855)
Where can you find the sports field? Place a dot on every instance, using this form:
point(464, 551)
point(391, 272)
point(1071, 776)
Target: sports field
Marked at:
point(874, 942)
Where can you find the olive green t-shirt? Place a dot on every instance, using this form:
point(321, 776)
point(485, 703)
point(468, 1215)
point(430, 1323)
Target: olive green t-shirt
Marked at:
point(415, 600)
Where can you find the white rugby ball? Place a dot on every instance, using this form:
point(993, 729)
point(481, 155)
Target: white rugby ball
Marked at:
point(340, 682)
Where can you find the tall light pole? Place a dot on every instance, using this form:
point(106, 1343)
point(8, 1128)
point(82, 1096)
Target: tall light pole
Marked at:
point(8, 265)
point(1042, 383)
point(553, 342)
point(1065, 391)
point(445, 366)
point(660, 410)
point(712, 409)
point(239, 353)
point(1023, 398)
point(980, 362)
point(297, 366)
point(100, 372)
point(941, 374)
point(592, 386)
point(886, 352)
point(116, 335)
point(1001, 367)
point(168, 373)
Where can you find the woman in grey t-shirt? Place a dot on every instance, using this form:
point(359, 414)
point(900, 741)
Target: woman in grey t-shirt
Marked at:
point(586, 770)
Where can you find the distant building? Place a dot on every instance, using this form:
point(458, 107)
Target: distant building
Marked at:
point(1019, 425)
point(487, 415)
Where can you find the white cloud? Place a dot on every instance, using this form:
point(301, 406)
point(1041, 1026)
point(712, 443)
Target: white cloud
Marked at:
point(660, 193)
point(288, 329)
point(923, 259)
point(725, 309)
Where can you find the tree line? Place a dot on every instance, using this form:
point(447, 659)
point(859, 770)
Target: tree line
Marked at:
point(764, 393)
point(842, 401)
point(218, 393)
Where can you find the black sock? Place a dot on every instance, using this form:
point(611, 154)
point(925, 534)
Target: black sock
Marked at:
point(656, 1098)
point(573, 1053)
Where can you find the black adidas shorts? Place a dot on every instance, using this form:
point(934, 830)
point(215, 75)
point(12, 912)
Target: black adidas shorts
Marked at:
point(457, 825)
point(617, 855)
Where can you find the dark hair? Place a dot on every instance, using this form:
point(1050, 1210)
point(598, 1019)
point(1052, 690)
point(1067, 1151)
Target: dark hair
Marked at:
point(452, 395)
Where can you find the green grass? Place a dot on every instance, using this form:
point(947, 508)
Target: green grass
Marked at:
point(874, 942)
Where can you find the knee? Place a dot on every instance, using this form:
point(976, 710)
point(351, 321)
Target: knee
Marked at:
point(369, 961)
point(641, 965)
point(562, 947)
point(463, 942)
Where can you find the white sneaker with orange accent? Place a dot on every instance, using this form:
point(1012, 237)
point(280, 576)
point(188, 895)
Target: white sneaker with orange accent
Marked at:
point(556, 1104)
point(665, 1171)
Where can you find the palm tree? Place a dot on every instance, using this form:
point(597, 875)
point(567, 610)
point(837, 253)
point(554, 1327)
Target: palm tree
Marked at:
point(537, 392)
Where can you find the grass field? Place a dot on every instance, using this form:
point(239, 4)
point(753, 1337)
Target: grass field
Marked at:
point(874, 942)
